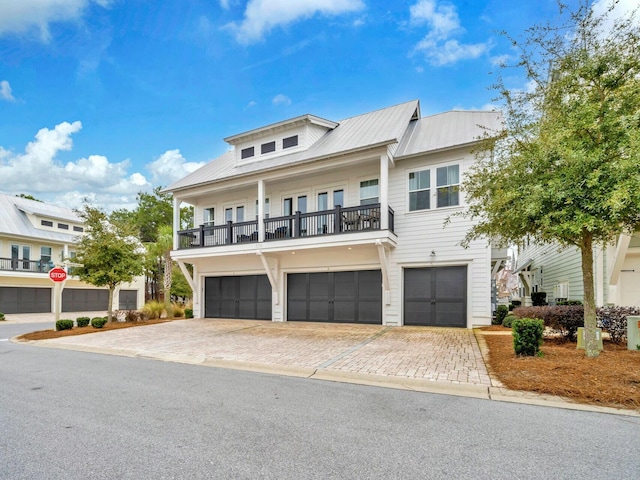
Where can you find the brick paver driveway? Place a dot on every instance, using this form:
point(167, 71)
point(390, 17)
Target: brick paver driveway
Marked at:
point(448, 355)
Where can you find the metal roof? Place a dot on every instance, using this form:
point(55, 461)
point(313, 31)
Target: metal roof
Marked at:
point(14, 220)
point(378, 128)
point(447, 130)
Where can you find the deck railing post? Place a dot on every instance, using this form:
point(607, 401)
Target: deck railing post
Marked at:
point(229, 232)
point(202, 235)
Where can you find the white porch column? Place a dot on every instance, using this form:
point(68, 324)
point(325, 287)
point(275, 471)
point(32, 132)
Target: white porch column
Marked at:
point(261, 210)
point(384, 192)
point(176, 221)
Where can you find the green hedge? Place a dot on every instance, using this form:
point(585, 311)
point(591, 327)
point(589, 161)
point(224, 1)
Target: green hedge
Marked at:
point(527, 336)
point(1, 316)
point(501, 312)
point(98, 322)
point(64, 325)
point(82, 321)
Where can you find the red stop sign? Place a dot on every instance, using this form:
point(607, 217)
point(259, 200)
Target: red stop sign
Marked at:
point(57, 275)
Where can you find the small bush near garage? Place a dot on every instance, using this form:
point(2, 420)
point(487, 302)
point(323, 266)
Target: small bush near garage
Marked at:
point(527, 336)
point(508, 321)
point(64, 325)
point(152, 310)
point(188, 312)
point(559, 319)
point(82, 321)
point(177, 310)
point(98, 322)
point(131, 315)
point(1, 316)
point(501, 312)
point(613, 320)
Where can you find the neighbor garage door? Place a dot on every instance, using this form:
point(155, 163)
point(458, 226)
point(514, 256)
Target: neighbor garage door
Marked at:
point(435, 296)
point(244, 297)
point(25, 300)
point(84, 300)
point(128, 300)
point(349, 297)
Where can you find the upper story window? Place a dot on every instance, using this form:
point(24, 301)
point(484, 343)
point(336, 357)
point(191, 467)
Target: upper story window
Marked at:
point(268, 147)
point(46, 223)
point(290, 142)
point(247, 152)
point(63, 226)
point(369, 192)
point(208, 217)
point(419, 190)
point(45, 254)
point(78, 229)
point(448, 185)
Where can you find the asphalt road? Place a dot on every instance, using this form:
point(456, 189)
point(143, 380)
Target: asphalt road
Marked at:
point(72, 415)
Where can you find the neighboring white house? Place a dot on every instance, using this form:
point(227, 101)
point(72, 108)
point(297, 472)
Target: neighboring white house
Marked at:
point(558, 272)
point(340, 221)
point(35, 237)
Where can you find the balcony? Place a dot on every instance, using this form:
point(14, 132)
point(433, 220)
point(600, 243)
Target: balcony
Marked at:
point(23, 265)
point(339, 221)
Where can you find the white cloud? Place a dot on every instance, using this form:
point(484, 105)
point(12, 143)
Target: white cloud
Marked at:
point(224, 4)
point(171, 166)
point(262, 16)
point(20, 16)
point(621, 9)
point(281, 99)
point(5, 91)
point(438, 46)
point(38, 172)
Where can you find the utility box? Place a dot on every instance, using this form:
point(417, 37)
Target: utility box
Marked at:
point(633, 333)
point(581, 341)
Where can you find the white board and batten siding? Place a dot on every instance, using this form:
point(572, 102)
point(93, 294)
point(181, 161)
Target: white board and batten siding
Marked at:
point(422, 232)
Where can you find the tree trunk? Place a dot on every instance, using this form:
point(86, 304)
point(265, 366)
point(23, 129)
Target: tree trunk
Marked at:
point(590, 323)
point(112, 291)
point(167, 278)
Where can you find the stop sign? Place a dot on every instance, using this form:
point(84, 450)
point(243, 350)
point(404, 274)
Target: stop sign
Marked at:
point(57, 275)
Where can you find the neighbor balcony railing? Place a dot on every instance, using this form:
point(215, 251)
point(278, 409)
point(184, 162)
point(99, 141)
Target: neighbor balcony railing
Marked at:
point(22, 265)
point(340, 220)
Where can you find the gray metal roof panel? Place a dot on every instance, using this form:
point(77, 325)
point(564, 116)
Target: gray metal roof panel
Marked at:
point(14, 220)
point(448, 129)
point(385, 126)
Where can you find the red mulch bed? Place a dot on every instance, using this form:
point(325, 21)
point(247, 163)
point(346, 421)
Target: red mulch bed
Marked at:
point(46, 334)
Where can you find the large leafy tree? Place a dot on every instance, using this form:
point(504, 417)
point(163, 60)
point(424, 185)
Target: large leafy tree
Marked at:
point(566, 167)
point(108, 252)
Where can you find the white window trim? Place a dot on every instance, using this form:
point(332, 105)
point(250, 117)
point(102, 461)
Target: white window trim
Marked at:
point(433, 202)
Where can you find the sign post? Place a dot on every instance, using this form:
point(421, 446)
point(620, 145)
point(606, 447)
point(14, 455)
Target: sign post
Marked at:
point(58, 276)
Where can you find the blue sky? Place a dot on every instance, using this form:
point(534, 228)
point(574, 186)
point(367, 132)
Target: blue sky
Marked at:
point(101, 99)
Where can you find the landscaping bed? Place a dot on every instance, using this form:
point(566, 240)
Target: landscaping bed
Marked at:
point(612, 379)
point(46, 334)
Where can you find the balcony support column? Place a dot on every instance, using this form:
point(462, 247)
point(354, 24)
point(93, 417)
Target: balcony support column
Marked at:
point(384, 268)
point(176, 222)
point(384, 192)
point(272, 275)
point(260, 210)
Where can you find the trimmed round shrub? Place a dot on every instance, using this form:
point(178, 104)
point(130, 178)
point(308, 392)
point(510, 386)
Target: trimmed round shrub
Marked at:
point(64, 325)
point(188, 312)
point(501, 312)
point(508, 320)
point(1, 316)
point(98, 322)
point(82, 321)
point(527, 336)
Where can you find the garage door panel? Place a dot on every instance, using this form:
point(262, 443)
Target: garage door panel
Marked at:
point(353, 296)
point(435, 296)
point(25, 300)
point(84, 300)
point(128, 300)
point(241, 297)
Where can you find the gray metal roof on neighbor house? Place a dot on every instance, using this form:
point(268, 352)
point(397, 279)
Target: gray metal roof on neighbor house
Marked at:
point(14, 220)
point(399, 125)
point(381, 127)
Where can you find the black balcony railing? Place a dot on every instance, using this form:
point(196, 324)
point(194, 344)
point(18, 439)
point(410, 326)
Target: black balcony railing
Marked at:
point(22, 265)
point(328, 222)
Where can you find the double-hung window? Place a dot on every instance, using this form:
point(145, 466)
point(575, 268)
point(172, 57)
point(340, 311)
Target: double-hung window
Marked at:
point(448, 185)
point(369, 192)
point(419, 190)
point(208, 217)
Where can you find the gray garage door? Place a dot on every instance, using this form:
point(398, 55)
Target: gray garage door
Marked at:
point(84, 300)
point(243, 297)
point(25, 300)
point(435, 296)
point(128, 299)
point(349, 297)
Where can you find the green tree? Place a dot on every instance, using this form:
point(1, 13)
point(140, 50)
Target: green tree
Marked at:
point(565, 169)
point(179, 285)
point(28, 197)
point(109, 253)
point(161, 249)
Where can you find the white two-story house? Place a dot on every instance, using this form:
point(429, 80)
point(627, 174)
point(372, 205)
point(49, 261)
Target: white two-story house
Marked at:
point(311, 219)
point(35, 237)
